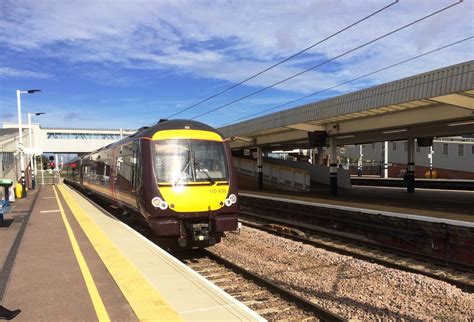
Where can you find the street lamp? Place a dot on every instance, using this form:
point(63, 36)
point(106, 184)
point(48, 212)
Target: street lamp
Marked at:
point(32, 155)
point(22, 158)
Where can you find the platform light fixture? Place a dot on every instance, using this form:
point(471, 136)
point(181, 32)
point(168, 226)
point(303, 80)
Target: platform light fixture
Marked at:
point(345, 136)
point(20, 133)
point(395, 131)
point(461, 123)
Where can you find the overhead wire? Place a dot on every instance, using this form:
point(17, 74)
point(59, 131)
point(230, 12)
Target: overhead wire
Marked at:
point(349, 81)
point(329, 60)
point(282, 61)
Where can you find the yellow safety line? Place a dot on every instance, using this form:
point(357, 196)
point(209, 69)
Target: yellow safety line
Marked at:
point(93, 292)
point(144, 299)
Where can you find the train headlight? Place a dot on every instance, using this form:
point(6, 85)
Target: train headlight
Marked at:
point(156, 202)
point(163, 205)
point(233, 198)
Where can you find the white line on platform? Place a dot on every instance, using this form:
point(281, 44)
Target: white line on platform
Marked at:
point(48, 211)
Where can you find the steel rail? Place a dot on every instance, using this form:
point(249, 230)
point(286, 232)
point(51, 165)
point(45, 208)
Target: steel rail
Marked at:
point(373, 227)
point(466, 286)
point(317, 310)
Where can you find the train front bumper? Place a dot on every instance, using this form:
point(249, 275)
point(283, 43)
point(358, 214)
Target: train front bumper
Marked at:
point(175, 227)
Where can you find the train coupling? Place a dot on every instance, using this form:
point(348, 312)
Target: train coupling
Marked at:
point(200, 232)
point(196, 234)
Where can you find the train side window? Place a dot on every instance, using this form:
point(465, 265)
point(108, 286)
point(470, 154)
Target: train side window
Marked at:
point(445, 148)
point(127, 168)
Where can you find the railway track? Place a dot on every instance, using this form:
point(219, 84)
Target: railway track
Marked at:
point(268, 299)
point(364, 250)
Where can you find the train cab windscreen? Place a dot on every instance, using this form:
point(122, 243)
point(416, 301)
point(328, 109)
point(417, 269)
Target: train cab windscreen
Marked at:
point(190, 161)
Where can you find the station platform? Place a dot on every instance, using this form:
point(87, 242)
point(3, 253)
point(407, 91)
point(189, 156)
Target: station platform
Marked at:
point(74, 262)
point(443, 184)
point(445, 204)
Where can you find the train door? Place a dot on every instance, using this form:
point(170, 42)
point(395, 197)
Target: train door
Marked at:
point(126, 172)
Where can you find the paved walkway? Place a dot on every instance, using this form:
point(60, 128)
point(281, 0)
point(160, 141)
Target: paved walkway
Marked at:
point(77, 263)
point(47, 283)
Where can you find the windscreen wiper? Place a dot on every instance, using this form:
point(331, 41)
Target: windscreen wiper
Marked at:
point(184, 169)
point(198, 167)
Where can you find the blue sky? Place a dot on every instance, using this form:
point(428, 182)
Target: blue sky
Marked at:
point(112, 64)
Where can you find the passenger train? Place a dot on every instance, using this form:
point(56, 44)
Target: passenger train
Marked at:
point(176, 176)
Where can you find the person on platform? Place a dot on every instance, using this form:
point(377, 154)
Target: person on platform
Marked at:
point(6, 314)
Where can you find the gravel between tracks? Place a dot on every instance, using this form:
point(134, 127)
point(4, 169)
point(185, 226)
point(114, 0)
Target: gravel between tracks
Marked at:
point(353, 288)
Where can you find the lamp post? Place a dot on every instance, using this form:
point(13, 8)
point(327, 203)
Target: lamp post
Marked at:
point(22, 158)
point(32, 156)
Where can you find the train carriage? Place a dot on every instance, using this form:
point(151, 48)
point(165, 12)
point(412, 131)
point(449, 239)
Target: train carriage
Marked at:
point(177, 176)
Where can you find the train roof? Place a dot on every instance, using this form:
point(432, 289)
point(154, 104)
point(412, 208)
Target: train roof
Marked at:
point(162, 125)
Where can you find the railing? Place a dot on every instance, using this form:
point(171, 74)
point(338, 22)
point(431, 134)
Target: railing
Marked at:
point(287, 176)
point(47, 177)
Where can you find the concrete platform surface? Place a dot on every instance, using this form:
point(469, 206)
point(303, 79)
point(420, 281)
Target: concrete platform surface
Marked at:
point(77, 263)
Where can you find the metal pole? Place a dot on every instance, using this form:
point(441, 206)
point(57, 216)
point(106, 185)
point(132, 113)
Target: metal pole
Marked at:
point(430, 156)
point(34, 158)
point(259, 168)
point(42, 171)
point(320, 155)
point(313, 156)
point(385, 160)
point(359, 163)
point(22, 158)
point(333, 168)
point(410, 175)
point(33, 179)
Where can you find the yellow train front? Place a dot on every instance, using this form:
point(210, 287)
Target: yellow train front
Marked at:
point(176, 176)
point(188, 192)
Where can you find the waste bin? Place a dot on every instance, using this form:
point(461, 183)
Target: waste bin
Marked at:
point(18, 190)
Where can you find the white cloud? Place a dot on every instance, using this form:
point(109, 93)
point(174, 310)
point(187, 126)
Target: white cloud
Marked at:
point(18, 73)
point(229, 40)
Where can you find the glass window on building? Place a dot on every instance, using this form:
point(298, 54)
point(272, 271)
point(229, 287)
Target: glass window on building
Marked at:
point(445, 148)
point(461, 150)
